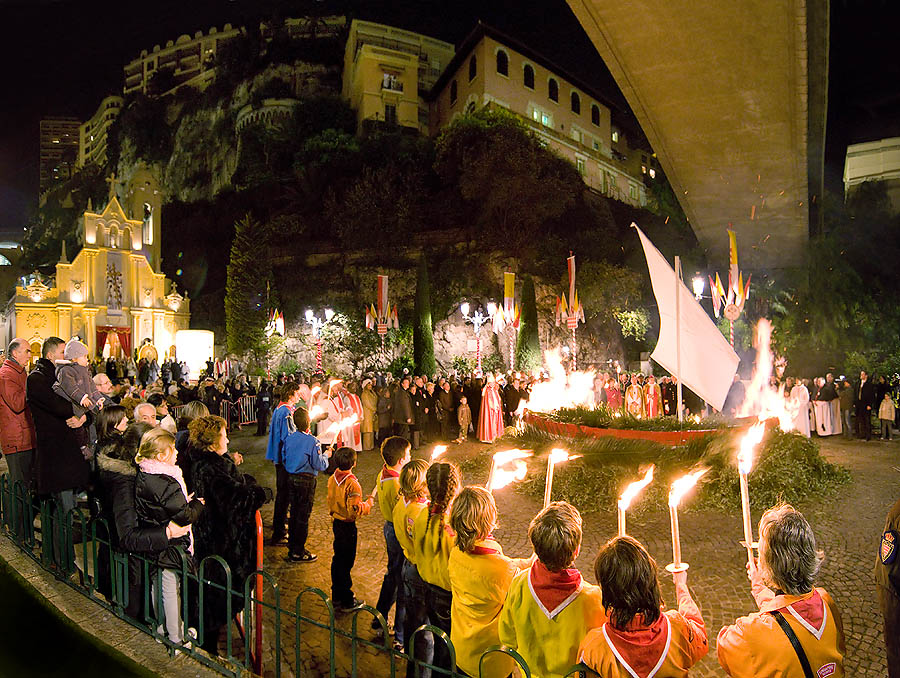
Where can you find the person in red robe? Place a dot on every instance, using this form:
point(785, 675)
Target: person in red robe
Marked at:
point(352, 433)
point(652, 397)
point(490, 417)
point(613, 395)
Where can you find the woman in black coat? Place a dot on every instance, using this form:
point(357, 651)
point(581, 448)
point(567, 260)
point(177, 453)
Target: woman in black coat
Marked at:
point(227, 527)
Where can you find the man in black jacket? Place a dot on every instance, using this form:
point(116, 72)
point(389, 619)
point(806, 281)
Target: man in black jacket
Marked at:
point(60, 469)
point(402, 410)
point(863, 403)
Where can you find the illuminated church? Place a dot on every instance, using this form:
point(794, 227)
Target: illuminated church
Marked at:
point(113, 295)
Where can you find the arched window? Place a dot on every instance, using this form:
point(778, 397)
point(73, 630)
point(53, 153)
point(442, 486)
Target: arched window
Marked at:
point(147, 231)
point(528, 76)
point(502, 63)
point(595, 115)
point(553, 90)
point(576, 103)
point(473, 68)
point(453, 92)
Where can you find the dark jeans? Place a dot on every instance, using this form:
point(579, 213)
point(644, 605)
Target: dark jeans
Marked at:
point(415, 592)
point(392, 586)
point(886, 428)
point(63, 549)
point(342, 562)
point(302, 492)
point(282, 499)
point(438, 602)
point(262, 422)
point(402, 430)
point(864, 424)
point(20, 466)
point(890, 612)
point(445, 428)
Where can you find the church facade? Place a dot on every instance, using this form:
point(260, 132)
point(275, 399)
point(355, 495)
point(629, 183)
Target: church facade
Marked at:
point(109, 295)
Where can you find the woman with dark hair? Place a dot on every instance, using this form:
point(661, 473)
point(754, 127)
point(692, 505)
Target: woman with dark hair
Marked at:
point(117, 524)
point(227, 527)
point(640, 638)
point(193, 410)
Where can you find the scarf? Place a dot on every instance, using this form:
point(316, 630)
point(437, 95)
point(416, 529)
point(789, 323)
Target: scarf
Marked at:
point(642, 648)
point(159, 468)
point(553, 591)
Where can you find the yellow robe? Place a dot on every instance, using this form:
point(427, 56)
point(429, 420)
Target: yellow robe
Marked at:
point(405, 513)
point(387, 489)
point(432, 543)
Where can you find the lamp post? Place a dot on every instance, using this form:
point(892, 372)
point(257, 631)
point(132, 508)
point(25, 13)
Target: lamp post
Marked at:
point(317, 325)
point(478, 320)
point(699, 287)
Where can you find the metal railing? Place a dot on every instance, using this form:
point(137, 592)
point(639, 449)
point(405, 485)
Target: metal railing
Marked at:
point(238, 413)
point(304, 634)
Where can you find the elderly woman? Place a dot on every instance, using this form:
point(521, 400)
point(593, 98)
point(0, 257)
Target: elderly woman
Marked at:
point(640, 637)
point(227, 526)
point(798, 630)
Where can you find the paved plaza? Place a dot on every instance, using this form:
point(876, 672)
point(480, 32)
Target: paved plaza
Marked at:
point(847, 527)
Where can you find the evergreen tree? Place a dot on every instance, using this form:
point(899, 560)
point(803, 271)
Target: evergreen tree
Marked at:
point(423, 339)
point(245, 288)
point(528, 345)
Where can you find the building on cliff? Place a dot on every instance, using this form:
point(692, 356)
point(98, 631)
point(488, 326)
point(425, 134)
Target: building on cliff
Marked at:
point(58, 150)
point(93, 134)
point(109, 295)
point(574, 120)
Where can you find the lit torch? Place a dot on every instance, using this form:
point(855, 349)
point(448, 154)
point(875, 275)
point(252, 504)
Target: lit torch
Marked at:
point(316, 412)
point(438, 451)
point(679, 489)
point(556, 456)
point(313, 391)
point(501, 477)
point(629, 494)
point(745, 465)
point(343, 423)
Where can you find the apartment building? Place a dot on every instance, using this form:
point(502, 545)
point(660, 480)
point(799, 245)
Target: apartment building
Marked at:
point(93, 134)
point(58, 150)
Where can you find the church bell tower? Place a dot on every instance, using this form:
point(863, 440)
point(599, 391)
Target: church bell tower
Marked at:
point(143, 202)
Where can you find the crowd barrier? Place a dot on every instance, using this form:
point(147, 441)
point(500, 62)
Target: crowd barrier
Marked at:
point(297, 629)
point(238, 413)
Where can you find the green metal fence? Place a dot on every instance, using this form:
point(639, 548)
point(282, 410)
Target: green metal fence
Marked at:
point(300, 637)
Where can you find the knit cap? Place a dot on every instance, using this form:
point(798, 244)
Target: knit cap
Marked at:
point(75, 349)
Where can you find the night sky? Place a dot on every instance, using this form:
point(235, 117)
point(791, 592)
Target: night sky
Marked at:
point(61, 57)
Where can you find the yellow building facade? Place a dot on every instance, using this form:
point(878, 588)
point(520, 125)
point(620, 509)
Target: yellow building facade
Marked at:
point(108, 295)
point(92, 135)
point(492, 69)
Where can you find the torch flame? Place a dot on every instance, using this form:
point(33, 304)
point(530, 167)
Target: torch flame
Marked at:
point(504, 476)
point(761, 399)
point(557, 456)
point(682, 485)
point(316, 412)
point(343, 423)
point(748, 442)
point(313, 391)
point(561, 389)
point(632, 490)
point(438, 451)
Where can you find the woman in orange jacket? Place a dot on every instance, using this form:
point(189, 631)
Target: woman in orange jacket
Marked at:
point(640, 639)
point(797, 631)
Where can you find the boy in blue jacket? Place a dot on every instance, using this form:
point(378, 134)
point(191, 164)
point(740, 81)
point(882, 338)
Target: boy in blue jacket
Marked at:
point(303, 460)
point(281, 427)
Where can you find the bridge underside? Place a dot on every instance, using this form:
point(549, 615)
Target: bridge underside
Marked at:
point(733, 103)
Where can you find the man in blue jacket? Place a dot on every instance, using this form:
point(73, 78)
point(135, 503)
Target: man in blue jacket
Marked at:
point(281, 427)
point(303, 460)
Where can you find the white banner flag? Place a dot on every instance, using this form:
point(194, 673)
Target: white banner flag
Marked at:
point(708, 363)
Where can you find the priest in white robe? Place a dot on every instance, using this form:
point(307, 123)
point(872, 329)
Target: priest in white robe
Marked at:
point(799, 397)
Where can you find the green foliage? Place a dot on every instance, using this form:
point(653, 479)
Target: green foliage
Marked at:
point(423, 338)
point(528, 343)
point(605, 417)
point(635, 323)
point(788, 468)
point(492, 363)
point(245, 303)
point(144, 123)
point(347, 338)
point(463, 364)
point(401, 363)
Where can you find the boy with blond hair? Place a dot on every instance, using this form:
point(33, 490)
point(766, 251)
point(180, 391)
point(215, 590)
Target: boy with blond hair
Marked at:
point(550, 609)
point(345, 504)
point(395, 453)
point(480, 577)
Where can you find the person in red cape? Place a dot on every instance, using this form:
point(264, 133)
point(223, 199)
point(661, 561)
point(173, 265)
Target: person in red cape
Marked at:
point(652, 397)
point(641, 639)
point(490, 417)
point(613, 395)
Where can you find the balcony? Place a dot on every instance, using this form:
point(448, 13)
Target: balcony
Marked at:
point(391, 83)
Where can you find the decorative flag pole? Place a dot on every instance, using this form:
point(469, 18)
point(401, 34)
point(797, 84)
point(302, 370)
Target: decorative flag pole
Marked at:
point(572, 312)
point(384, 317)
point(478, 320)
point(732, 300)
point(317, 325)
point(507, 316)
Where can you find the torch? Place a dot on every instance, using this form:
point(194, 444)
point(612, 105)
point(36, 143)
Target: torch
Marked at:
point(499, 476)
point(438, 451)
point(745, 465)
point(556, 456)
point(679, 488)
point(629, 494)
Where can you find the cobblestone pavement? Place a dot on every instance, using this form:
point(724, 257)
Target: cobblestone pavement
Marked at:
point(847, 527)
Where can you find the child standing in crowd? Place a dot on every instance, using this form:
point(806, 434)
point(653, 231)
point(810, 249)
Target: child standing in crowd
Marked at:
point(160, 496)
point(281, 427)
point(480, 576)
point(75, 384)
point(550, 609)
point(412, 500)
point(639, 635)
point(345, 505)
point(886, 415)
point(433, 543)
point(464, 417)
point(303, 459)
point(395, 453)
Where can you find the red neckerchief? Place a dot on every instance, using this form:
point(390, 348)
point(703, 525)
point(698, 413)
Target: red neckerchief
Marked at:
point(811, 613)
point(341, 476)
point(485, 547)
point(553, 591)
point(388, 473)
point(641, 648)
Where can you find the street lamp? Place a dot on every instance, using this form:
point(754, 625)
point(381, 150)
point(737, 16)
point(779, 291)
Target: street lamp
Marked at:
point(478, 320)
point(699, 286)
point(317, 325)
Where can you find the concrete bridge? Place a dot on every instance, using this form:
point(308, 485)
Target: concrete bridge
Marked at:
point(731, 96)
